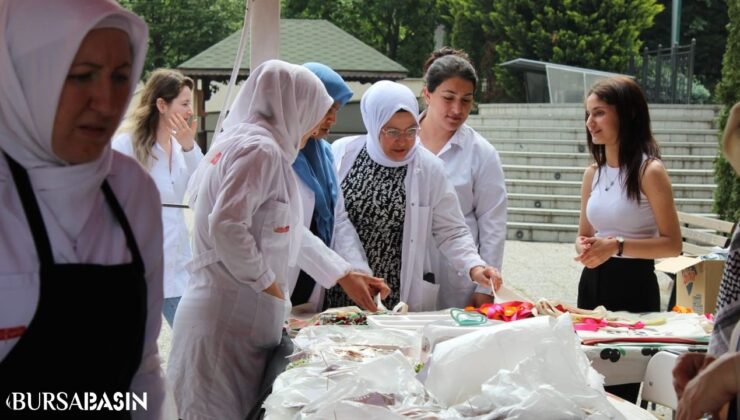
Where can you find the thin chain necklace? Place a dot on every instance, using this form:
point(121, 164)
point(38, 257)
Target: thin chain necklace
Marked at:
point(610, 184)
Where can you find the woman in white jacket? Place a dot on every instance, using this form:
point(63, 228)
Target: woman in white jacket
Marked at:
point(399, 200)
point(248, 230)
point(472, 165)
point(163, 141)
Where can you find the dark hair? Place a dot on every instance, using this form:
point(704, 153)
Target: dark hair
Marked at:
point(163, 83)
point(635, 136)
point(446, 63)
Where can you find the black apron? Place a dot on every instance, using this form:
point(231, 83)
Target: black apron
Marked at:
point(87, 334)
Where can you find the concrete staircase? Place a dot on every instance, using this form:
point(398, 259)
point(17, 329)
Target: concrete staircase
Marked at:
point(543, 151)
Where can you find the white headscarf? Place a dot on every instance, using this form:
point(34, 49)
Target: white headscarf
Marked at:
point(281, 101)
point(378, 104)
point(38, 41)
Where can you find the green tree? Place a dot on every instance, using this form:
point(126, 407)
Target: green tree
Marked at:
point(727, 194)
point(596, 34)
point(180, 29)
point(402, 30)
point(703, 20)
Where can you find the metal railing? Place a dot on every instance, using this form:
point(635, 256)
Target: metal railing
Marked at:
point(666, 73)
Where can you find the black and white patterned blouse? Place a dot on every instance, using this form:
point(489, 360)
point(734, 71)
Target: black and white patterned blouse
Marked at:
point(728, 301)
point(375, 199)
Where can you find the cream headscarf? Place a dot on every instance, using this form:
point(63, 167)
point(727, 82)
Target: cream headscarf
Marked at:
point(38, 41)
point(280, 101)
point(378, 104)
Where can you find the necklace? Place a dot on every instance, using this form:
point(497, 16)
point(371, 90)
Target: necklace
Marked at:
point(610, 184)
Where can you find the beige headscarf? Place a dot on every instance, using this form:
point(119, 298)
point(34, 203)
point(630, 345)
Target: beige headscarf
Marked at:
point(38, 41)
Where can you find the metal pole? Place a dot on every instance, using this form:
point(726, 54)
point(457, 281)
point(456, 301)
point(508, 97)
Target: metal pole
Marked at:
point(658, 75)
point(690, 76)
point(675, 21)
point(674, 72)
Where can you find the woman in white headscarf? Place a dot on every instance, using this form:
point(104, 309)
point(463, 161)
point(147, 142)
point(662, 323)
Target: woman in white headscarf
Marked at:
point(398, 198)
point(248, 230)
point(81, 231)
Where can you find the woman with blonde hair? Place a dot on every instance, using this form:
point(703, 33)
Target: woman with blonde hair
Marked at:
point(160, 137)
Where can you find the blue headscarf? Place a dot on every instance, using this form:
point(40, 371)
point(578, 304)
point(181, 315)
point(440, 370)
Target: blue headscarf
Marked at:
point(315, 162)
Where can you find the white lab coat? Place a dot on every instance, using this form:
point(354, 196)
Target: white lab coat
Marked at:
point(344, 241)
point(473, 166)
point(232, 265)
point(432, 215)
point(171, 183)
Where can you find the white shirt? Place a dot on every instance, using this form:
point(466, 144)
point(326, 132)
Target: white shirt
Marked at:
point(473, 166)
point(611, 213)
point(344, 241)
point(101, 241)
point(432, 215)
point(171, 179)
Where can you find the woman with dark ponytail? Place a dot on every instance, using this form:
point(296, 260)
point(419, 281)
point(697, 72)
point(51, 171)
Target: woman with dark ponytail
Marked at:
point(473, 167)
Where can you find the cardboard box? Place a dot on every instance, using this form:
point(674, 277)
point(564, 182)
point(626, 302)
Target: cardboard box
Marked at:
point(697, 281)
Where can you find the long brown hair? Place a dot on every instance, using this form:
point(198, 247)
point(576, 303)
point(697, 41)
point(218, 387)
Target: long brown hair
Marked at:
point(635, 136)
point(163, 83)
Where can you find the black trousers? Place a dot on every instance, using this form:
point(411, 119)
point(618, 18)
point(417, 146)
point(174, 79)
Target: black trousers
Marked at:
point(621, 284)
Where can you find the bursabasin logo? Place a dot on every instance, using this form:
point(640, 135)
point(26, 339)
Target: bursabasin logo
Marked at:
point(82, 401)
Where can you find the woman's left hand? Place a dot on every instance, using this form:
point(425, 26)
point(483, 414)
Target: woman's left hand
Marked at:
point(183, 133)
point(486, 276)
point(597, 251)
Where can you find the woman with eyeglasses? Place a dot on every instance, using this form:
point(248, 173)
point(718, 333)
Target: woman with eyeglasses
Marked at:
point(472, 165)
point(399, 200)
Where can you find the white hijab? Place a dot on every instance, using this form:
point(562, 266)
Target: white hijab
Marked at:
point(38, 41)
point(378, 105)
point(280, 101)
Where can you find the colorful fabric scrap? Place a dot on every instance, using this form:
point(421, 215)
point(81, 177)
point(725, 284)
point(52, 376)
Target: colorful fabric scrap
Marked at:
point(506, 311)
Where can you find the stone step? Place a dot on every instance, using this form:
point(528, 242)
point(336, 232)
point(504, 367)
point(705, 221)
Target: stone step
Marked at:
point(584, 159)
point(573, 202)
point(575, 173)
point(662, 135)
point(528, 186)
point(579, 146)
point(541, 232)
point(543, 215)
point(492, 122)
point(553, 216)
point(658, 112)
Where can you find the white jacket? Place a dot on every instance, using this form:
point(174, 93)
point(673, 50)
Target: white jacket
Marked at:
point(473, 166)
point(345, 242)
point(171, 184)
point(432, 215)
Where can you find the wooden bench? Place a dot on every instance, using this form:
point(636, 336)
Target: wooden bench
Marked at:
point(701, 233)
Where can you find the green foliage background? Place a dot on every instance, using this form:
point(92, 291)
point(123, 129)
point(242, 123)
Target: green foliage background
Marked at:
point(727, 194)
point(602, 35)
point(403, 30)
point(180, 29)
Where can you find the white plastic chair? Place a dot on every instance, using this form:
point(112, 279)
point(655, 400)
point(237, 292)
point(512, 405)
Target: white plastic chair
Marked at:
point(657, 387)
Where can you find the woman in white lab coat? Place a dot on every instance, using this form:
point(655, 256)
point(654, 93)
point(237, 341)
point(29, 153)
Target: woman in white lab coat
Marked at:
point(472, 165)
point(161, 137)
point(399, 200)
point(81, 235)
point(248, 230)
point(323, 203)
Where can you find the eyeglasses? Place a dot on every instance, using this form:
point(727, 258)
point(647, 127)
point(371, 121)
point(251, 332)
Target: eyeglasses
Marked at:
point(395, 133)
